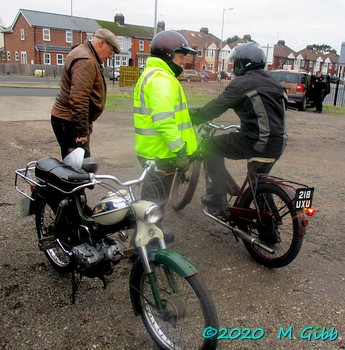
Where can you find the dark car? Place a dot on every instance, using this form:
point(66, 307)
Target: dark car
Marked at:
point(224, 75)
point(190, 75)
point(298, 86)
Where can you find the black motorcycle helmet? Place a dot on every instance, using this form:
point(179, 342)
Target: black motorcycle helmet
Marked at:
point(166, 43)
point(246, 57)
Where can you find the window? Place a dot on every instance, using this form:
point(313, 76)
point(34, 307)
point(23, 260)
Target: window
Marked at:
point(16, 56)
point(141, 45)
point(23, 57)
point(46, 58)
point(46, 34)
point(68, 36)
point(89, 36)
point(22, 34)
point(199, 52)
point(141, 61)
point(8, 55)
point(121, 60)
point(59, 59)
point(210, 53)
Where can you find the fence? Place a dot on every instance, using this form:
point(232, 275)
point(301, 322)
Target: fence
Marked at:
point(210, 88)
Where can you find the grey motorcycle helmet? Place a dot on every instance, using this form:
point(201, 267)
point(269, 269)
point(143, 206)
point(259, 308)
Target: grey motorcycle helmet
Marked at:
point(245, 57)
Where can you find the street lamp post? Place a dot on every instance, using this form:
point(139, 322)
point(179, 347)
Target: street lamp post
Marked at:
point(221, 38)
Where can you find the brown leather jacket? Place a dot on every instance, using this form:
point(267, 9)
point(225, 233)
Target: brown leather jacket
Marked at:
point(83, 90)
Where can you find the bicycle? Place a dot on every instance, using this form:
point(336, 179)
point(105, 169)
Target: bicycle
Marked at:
point(267, 212)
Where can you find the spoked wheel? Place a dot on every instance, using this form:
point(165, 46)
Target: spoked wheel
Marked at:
point(184, 185)
point(280, 228)
point(45, 218)
point(186, 310)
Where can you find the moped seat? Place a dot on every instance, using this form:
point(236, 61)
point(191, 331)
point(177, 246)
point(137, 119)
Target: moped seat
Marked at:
point(53, 172)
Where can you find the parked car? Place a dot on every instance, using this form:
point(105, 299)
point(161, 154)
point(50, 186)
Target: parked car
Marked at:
point(298, 86)
point(190, 75)
point(114, 74)
point(224, 75)
point(211, 74)
point(205, 75)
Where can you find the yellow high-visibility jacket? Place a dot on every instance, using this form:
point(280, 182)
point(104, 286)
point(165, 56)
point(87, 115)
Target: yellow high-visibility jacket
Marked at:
point(161, 118)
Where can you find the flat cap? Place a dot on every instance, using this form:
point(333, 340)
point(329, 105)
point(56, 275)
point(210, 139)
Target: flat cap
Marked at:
point(109, 37)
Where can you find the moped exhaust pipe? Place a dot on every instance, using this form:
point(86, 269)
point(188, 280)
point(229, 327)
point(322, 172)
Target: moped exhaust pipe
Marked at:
point(240, 233)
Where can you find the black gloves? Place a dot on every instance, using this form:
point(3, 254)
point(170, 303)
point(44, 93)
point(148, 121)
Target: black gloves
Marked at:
point(196, 116)
point(182, 161)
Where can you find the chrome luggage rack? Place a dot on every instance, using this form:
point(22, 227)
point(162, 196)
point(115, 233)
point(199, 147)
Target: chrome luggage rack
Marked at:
point(28, 175)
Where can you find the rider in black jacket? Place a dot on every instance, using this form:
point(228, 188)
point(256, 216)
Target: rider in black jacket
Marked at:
point(259, 101)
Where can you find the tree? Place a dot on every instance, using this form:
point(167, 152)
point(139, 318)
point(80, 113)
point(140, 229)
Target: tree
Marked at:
point(322, 48)
point(230, 40)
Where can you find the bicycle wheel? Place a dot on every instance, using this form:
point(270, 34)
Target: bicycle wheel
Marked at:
point(280, 230)
point(184, 185)
point(187, 309)
point(45, 219)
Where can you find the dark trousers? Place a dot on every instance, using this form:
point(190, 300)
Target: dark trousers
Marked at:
point(66, 135)
point(232, 146)
point(318, 101)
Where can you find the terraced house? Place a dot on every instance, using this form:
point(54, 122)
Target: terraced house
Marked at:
point(41, 38)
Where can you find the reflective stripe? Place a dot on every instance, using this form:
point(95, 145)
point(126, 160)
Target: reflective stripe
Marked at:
point(176, 144)
point(185, 126)
point(263, 123)
point(163, 115)
point(181, 106)
point(144, 111)
point(146, 132)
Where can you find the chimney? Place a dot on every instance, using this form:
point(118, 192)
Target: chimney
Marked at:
point(160, 26)
point(204, 30)
point(119, 19)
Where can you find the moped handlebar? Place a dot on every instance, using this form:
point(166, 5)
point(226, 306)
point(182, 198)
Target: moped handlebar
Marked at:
point(223, 127)
point(150, 165)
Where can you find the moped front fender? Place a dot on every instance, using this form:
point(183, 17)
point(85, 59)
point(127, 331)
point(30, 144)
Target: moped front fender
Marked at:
point(166, 257)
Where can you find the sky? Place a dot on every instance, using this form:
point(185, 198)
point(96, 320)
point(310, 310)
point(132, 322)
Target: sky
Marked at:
point(297, 23)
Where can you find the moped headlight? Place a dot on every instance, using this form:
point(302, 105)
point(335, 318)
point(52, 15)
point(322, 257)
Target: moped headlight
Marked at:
point(153, 214)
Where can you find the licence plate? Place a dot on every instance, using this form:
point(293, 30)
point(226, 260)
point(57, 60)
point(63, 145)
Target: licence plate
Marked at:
point(304, 197)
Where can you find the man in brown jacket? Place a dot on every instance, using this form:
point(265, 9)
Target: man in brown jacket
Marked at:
point(81, 98)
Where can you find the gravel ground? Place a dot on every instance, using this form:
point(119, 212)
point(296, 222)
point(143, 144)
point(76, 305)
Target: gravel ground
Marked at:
point(307, 295)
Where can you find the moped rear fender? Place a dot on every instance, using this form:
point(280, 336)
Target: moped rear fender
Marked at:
point(166, 257)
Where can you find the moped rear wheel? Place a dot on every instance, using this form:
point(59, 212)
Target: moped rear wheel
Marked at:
point(280, 230)
point(45, 219)
point(184, 185)
point(187, 310)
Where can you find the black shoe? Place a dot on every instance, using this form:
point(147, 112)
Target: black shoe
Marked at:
point(216, 206)
point(317, 111)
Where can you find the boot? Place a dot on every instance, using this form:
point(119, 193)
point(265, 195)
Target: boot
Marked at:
point(216, 205)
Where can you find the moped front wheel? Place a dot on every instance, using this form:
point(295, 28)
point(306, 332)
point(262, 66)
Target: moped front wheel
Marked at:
point(279, 226)
point(45, 220)
point(186, 315)
point(184, 185)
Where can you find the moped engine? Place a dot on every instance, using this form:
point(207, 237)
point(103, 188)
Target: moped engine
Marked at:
point(96, 260)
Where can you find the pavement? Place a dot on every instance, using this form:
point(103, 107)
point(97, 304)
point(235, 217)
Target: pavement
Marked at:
point(24, 108)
